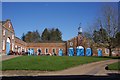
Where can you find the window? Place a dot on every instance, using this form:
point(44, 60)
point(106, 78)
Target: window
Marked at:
point(60, 49)
point(39, 50)
point(3, 44)
point(54, 50)
point(16, 46)
point(46, 50)
point(25, 49)
point(12, 36)
point(106, 51)
point(12, 46)
point(3, 32)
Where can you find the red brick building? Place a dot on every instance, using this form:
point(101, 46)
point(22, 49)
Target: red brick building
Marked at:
point(10, 42)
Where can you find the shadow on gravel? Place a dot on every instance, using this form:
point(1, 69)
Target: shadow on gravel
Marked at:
point(111, 76)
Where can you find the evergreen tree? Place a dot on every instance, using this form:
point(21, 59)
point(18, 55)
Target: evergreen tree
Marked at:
point(23, 37)
point(45, 35)
point(51, 35)
point(31, 36)
point(58, 35)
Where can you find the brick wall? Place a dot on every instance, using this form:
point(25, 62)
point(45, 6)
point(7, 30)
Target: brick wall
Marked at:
point(50, 46)
point(7, 32)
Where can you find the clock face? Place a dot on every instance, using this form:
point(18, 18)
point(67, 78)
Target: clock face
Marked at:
point(71, 43)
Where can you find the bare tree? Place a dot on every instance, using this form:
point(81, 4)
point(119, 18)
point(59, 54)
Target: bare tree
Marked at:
point(109, 21)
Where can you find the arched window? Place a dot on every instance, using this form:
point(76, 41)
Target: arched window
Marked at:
point(54, 50)
point(46, 50)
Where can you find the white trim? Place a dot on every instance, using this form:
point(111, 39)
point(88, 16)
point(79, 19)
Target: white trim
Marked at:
point(47, 51)
point(9, 24)
point(13, 36)
point(12, 46)
point(25, 49)
point(3, 44)
point(40, 49)
point(106, 51)
point(61, 48)
point(4, 32)
point(80, 47)
point(8, 40)
point(15, 46)
point(52, 50)
point(19, 48)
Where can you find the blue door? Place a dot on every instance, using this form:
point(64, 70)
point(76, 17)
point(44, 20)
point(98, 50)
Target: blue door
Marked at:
point(7, 48)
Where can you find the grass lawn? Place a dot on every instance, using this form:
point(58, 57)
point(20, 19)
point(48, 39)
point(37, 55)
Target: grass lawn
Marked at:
point(47, 63)
point(114, 66)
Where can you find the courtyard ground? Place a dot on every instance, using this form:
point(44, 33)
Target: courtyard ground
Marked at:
point(95, 68)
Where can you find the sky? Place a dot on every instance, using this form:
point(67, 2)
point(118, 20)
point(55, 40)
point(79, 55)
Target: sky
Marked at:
point(66, 16)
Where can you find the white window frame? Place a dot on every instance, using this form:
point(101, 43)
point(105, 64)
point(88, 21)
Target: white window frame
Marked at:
point(19, 48)
point(25, 49)
point(13, 36)
point(40, 49)
point(60, 48)
point(3, 44)
point(106, 51)
point(47, 51)
point(12, 46)
point(52, 50)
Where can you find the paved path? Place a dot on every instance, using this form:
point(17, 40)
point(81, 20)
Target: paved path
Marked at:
point(6, 57)
point(96, 68)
